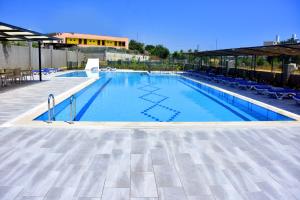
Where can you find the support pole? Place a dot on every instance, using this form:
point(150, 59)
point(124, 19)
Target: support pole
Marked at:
point(40, 60)
point(221, 64)
point(283, 75)
point(254, 66)
point(272, 65)
point(235, 65)
point(201, 63)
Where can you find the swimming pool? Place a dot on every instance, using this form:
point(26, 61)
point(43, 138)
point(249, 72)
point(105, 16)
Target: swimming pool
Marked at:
point(144, 97)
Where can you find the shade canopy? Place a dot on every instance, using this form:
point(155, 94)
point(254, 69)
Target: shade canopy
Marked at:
point(9, 32)
point(272, 50)
point(13, 33)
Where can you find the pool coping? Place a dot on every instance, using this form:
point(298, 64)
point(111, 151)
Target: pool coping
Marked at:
point(27, 118)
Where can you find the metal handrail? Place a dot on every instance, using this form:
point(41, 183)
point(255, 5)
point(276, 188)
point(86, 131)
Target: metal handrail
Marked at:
point(51, 113)
point(72, 109)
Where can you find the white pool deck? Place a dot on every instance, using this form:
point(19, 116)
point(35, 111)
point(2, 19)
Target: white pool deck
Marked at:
point(167, 163)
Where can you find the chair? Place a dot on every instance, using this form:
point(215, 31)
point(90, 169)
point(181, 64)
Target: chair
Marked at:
point(17, 75)
point(262, 89)
point(280, 93)
point(27, 72)
point(249, 85)
point(8, 75)
point(297, 98)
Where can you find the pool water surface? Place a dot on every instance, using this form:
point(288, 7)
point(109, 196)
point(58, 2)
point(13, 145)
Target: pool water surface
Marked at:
point(144, 97)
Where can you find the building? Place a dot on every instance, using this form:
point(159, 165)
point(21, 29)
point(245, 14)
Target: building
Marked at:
point(270, 43)
point(292, 40)
point(88, 40)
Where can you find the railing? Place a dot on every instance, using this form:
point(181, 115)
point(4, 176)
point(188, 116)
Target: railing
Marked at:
point(72, 109)
point(51, 112)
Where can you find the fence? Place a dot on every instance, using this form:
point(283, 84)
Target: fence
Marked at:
point(27, 57)
point(275, 77)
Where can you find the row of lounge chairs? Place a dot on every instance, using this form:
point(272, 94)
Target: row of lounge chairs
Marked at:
point(261, 88)
point(17, 75)
point(46, 71)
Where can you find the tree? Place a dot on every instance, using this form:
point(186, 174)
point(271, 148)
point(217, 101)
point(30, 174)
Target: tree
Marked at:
point(260, 61)
point(289, 41)
point(149, 48)
point(178, 55)
point(136, 46)
point(160, 51)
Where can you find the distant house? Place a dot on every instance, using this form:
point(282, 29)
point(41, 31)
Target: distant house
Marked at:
point(88, 40)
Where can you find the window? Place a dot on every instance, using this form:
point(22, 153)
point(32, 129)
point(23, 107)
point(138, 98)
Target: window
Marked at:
point(85, 41)
point(116, 43)
point(80, 41)
point(103, 42)
point(98, 42)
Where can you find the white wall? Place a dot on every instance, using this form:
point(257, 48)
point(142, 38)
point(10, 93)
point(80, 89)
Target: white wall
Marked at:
point(26, 57)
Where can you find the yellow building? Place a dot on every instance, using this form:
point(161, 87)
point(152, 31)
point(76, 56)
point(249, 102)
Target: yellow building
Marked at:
point(93, 40)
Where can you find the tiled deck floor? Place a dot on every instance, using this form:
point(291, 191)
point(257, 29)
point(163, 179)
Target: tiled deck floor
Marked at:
point(143, 164)
point(15, 101)
point(205, 163)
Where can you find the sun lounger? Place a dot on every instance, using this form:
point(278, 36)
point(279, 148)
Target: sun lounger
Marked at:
point(235, 82)
point(262, 89)
point(249, 85)
point(230, 81)
point(280, 93)
point(297, 98)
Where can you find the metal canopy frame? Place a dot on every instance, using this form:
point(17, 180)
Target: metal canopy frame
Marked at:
point(273, 50)
point(9, 32)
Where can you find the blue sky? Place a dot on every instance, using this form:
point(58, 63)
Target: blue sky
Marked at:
point(176, 24)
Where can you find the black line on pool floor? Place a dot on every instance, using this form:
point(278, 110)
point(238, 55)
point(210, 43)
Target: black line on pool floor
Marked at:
point(91, 100)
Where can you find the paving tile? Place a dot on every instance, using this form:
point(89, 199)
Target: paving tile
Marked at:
point(172, 193)
point(160, 157)
point(115, 193)
point(141, 163)
point(166, 176)
point(91, 184)
point(59, 193)
point(118, 173)
point(143, 185)
point(40, 183)
point(9, 192)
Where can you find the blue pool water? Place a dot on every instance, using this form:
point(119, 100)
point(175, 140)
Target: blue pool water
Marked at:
point(143, 97)
point(74, 74)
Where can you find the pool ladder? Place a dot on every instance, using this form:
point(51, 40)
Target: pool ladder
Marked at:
point(72, 109)
point(51, 112)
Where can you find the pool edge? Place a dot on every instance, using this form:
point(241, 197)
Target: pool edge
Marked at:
point(27, 119)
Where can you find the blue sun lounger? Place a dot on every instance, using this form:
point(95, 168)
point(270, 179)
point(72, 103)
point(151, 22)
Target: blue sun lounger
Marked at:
point(233, 81)
point(262, 89)
point(225, 80)
point(236, 82)
point(249, 85)
point(297, 98)
point(280, 93)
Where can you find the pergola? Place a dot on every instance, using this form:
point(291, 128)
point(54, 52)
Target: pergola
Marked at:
point(280, 50)
point(9, 32)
